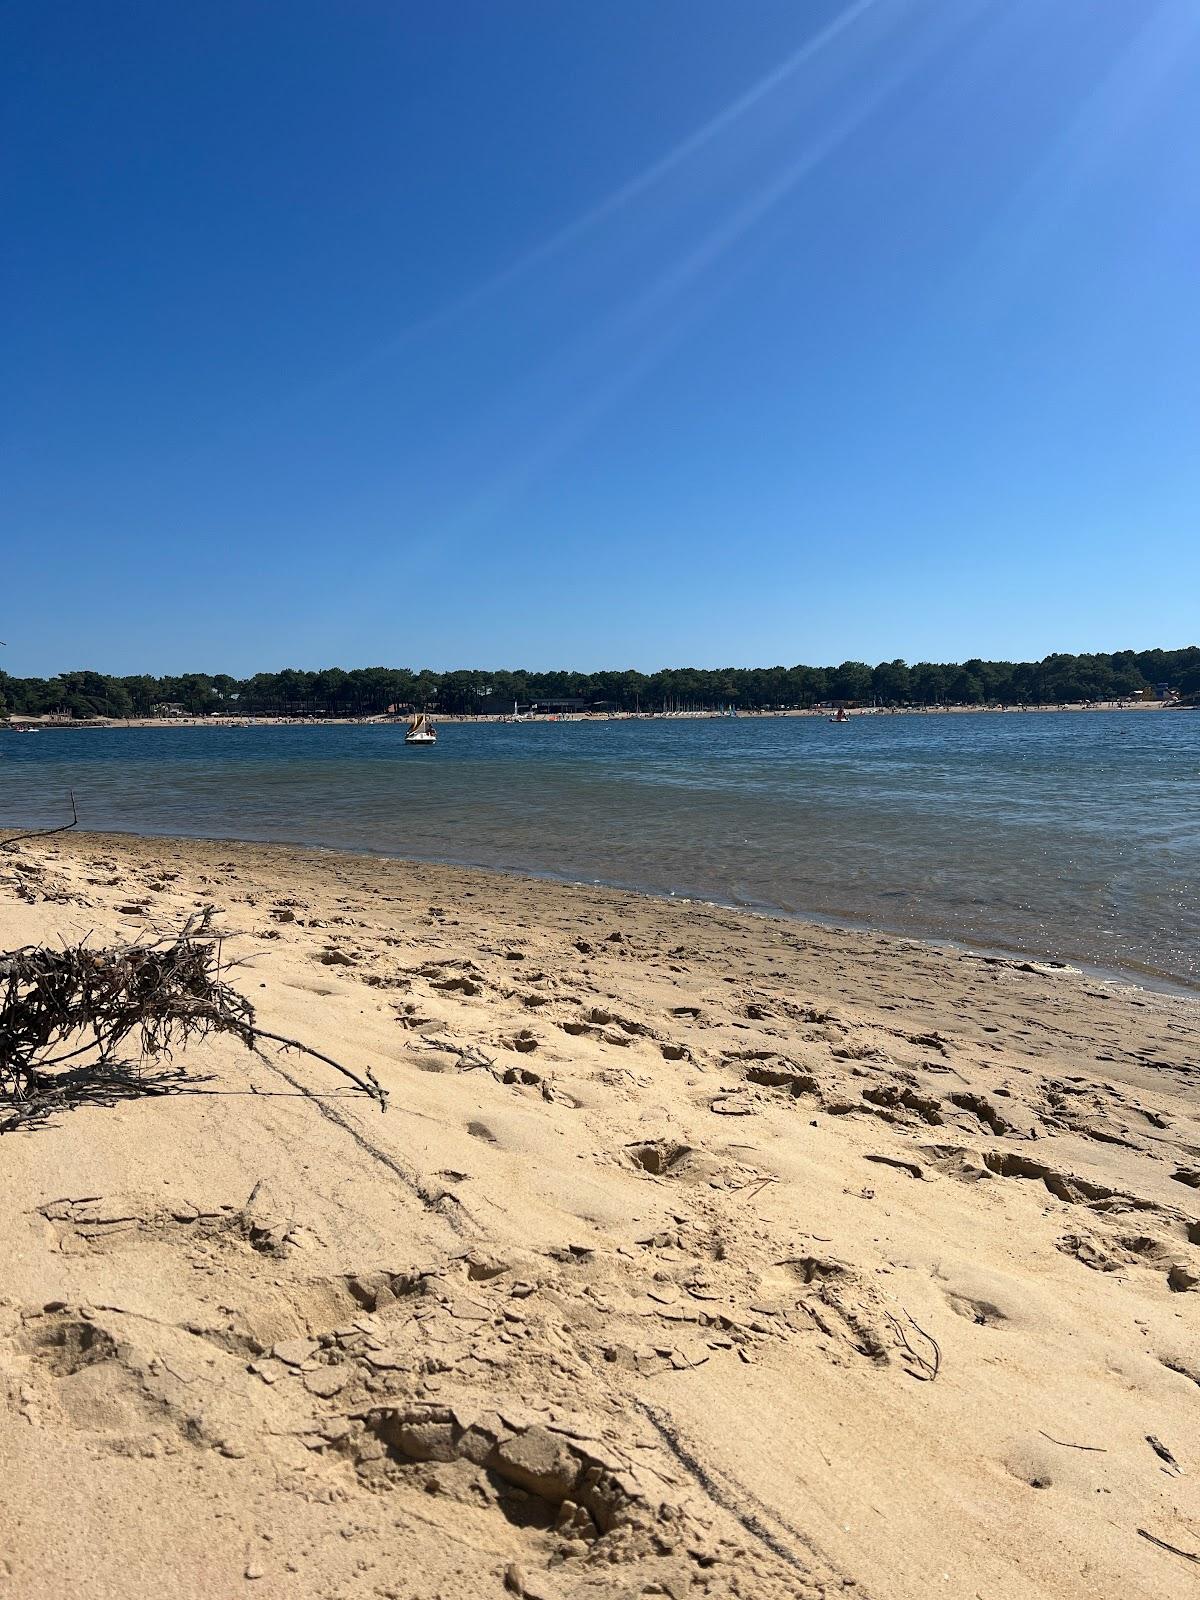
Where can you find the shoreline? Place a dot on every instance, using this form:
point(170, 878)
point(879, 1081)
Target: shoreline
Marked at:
point(15, 722)
point(1151, 980)
point(658, 1184)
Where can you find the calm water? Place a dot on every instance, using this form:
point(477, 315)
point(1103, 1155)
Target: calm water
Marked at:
point(1070, 836)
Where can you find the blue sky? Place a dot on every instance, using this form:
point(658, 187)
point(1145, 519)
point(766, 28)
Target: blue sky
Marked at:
point(541, 332)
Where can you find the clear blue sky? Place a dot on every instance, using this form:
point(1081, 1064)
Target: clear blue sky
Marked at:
point(628, 333)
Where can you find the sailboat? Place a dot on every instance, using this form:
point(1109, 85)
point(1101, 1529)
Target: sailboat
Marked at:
point(420, 730)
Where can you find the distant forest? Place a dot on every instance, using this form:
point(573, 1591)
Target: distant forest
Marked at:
point(370, 691)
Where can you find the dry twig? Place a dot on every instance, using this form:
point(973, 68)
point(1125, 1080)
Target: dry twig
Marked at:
point(1099, 1449)
point(927, 1368)
point(469, 1056)
point(1188, 1555)
point(44, 833)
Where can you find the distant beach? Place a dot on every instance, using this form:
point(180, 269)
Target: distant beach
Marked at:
point(819, 712)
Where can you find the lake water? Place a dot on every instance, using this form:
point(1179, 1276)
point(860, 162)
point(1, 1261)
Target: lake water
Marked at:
point(1072, 836)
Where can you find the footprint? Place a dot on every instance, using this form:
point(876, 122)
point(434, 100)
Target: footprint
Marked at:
point(983, 1110)
point(1180, 1364)
point(782, 1074)
point(982, 1312)
point(659, 1157)
point(892, 1098)
point(460, 984)
point(524, 1043)
point(1031, 1464)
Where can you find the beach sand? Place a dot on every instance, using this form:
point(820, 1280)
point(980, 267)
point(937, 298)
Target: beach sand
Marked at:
point(640, 1285)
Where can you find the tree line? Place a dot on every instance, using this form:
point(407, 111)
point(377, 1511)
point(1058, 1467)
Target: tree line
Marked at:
point(371, 691)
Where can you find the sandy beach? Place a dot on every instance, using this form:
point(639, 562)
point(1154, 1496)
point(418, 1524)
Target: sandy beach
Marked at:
point(60, 724)
point(696, 1254)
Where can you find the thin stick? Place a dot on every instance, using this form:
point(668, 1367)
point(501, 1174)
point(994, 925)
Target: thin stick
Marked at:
point(469, 1053)
point(1067, 1445)
point(929, 1369)
point(368, 1085)
point(44, 833)
point(757, 1188)
point(1162, 1544)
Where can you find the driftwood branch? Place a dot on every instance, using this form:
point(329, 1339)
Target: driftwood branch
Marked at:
point(44, 833)
point(81, 1005)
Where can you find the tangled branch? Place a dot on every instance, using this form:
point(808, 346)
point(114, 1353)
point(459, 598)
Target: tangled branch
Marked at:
point(81, 1005)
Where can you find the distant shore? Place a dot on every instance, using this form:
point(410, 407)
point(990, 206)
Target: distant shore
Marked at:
point(18, 722)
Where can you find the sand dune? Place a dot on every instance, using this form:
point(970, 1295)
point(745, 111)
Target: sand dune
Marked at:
point(697, 1254)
